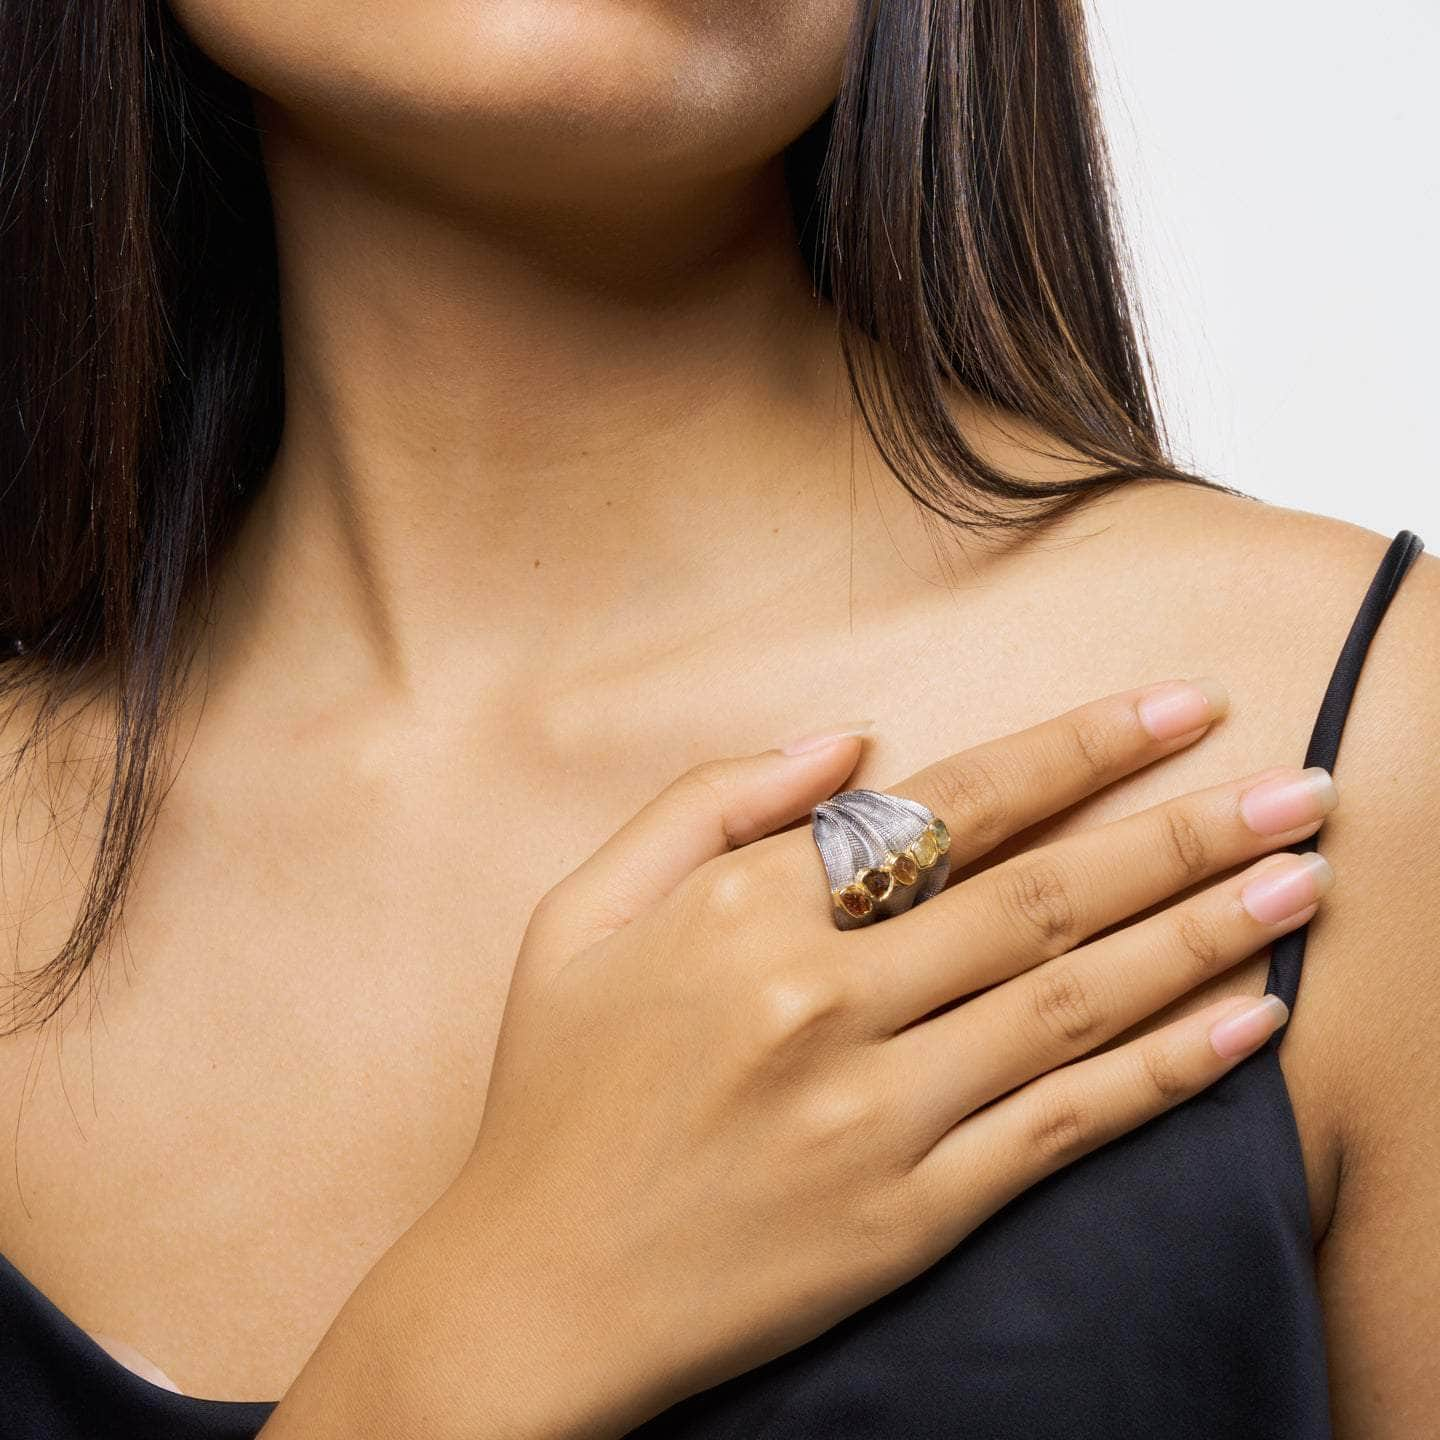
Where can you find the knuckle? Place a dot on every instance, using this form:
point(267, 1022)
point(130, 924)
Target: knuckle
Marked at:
point(973, 797)
point(1185, 845)
point(1035, 896)
point(1065, 1007)
point(707, 779)
point(1198, 944)
point(562, 915)
point(795, 1007)
point(711, 786)
point(1163, 1078)
point(862, 987)
point(932, 1203)
point(838, 1113)
point(548, 906)
point(885, 1221)
point(723, 894)
point(1061, 1127)
point(1094, 747)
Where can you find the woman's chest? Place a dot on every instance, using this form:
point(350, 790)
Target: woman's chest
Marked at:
point(290, 1054)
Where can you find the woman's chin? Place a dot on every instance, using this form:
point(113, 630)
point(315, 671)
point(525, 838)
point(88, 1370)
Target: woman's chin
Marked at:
point(599, 89)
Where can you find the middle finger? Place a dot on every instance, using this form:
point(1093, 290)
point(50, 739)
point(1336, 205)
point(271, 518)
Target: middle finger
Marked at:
point(1039, 904)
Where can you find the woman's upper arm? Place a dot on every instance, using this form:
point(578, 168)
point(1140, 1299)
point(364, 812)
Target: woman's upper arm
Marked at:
point(1379, 1261)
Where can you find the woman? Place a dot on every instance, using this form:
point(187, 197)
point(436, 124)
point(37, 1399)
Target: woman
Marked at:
point(656, 382)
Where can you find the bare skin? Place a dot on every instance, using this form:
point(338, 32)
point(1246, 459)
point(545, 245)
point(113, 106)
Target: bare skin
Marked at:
point(563, 508)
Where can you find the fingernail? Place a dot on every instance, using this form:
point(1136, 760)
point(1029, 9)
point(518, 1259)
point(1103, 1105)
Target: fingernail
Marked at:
point(1287, 801)
point(1237, 1035)
point(1179, 706)
point(814, 742)
point(1282, 889)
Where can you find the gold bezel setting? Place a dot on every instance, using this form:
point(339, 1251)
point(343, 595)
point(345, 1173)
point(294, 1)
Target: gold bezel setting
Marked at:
point(854, 900)
point(873, 884)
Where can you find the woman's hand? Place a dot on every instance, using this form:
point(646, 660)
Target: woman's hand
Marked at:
point(716, 1124)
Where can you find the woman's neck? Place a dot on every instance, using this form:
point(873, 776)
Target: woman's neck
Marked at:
point(597, 427)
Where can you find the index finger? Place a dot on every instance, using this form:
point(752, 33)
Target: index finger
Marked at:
point(996, 789)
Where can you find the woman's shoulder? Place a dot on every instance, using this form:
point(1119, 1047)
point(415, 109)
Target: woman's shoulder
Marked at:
point(1281, 587)
point(1291, 554)
point(1161, 579)
point(1371, 994)
point(1372, 986)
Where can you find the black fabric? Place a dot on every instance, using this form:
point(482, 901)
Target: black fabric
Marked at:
point(1162, 1286)
point(1324, 747)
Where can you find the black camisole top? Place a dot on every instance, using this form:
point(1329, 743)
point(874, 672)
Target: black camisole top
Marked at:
point(1162, 1287)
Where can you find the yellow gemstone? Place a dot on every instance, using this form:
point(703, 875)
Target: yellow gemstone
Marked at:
point(925, 851)
point(878, 882)
point(903, 868)
point(854, 900)
point(942, 835)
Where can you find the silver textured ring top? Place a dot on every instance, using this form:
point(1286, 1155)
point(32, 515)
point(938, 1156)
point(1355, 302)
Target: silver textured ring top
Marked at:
point(882, 853)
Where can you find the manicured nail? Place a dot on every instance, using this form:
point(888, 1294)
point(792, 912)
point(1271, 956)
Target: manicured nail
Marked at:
point(814, 742)
point(1286, 887)
point(1237, 1035)
point(1286, 802)
point(1179, 706)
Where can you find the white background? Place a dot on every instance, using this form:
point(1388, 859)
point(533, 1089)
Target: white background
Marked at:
point(1277, 167)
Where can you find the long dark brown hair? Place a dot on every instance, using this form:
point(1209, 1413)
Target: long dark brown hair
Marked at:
point(955, 205)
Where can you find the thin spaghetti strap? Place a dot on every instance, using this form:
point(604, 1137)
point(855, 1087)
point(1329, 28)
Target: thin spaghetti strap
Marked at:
point(1288, 952)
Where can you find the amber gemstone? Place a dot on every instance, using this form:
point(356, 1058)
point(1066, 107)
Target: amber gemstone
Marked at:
point(878, 882)
point(854, 900)
point(925, 851)
point(942, 835)
point(903, 867)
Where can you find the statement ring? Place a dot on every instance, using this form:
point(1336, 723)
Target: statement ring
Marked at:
point(882, 853)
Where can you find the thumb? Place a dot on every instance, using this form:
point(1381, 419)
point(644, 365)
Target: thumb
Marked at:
point(715, 806)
